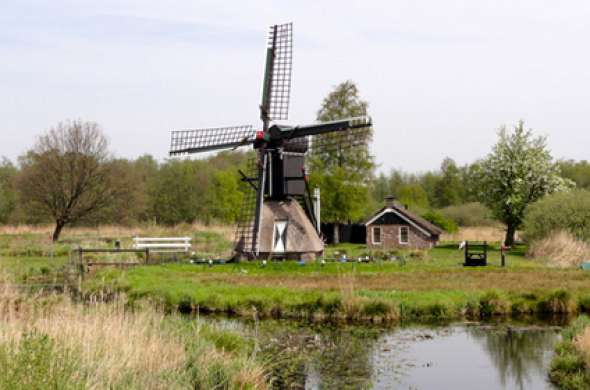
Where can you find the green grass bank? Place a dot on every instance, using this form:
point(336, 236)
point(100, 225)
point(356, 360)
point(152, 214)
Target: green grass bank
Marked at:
point(570, 369)
point(428, 286)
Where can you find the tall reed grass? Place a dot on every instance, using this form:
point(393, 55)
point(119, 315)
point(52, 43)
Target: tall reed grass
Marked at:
point(106, 346)
point(226, 231)
point(476, 233)
point(561, 249)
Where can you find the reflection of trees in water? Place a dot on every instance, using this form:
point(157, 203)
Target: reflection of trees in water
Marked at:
point(345, 361)
point(337, 358)
point(515, 353)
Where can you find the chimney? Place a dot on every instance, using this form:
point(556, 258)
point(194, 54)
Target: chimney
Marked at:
point(389, 200)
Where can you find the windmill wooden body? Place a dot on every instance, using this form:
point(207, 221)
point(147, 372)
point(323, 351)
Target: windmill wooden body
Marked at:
point(277, 217)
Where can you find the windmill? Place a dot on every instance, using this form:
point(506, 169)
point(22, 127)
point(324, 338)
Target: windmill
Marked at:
point(277, 218)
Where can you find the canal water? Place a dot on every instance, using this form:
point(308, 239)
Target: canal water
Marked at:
point(455, 356)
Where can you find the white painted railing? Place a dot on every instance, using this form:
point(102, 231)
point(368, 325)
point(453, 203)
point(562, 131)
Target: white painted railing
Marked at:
point(163, 244)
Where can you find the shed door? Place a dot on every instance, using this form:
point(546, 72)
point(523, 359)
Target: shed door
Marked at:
point(279, 237)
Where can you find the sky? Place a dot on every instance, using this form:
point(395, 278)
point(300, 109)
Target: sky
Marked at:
point(440, 76)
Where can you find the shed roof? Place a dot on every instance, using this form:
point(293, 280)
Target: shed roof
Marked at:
point(413, 219)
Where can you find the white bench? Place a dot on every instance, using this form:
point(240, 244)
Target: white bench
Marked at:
point(163, 244)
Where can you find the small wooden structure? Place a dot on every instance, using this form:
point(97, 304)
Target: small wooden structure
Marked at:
point(476, 253)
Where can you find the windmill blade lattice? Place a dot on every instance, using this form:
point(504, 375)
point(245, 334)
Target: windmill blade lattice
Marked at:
point(201, 140)
point(277, 88)
point(244, 236)
point(342, 140)
point(335, 148)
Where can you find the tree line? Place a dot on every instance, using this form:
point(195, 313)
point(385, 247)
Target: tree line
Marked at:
point(70, 177)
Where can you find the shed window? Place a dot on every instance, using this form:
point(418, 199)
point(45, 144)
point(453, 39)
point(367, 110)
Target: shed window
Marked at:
point(376, 235)
point(404, 234)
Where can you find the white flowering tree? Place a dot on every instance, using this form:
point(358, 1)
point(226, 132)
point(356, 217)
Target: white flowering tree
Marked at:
point(518, 172)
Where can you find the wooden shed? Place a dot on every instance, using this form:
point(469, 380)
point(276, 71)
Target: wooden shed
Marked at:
point(395, 227)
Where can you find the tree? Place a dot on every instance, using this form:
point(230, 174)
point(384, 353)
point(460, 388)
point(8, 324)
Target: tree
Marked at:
point(518, 172)
point(342, 172)
point(380, 188)
point(225, 197)
point(131, 205)
point(413, 195)
point(448, 188)
point(176, 192)
point(7, 193)
point(66, 175)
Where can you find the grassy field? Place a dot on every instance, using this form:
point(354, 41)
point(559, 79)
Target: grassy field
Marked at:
point(29, 256)
point(426, 286)
point(416, 285)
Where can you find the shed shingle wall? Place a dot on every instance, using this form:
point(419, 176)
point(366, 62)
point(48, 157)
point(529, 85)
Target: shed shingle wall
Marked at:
point(390, 238)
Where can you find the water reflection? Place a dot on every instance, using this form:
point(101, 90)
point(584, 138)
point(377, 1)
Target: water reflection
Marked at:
point(320, 357)
point(345, 362)
point(450, 357)
point(457, 357)
point(517, 353)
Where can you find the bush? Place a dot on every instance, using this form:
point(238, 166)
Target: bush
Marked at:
point(441, 221)
point(469, 214)
point(568, 211)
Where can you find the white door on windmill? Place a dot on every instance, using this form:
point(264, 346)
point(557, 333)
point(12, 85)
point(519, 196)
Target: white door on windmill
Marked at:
point(279, 239)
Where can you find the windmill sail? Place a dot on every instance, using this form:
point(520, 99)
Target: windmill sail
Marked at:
point(346, 145)
point(277, 77)
point(202, 140)
point(245, 240)
point(277, 217)
point(337, 126)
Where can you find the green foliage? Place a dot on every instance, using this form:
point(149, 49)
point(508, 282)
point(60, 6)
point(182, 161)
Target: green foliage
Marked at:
point(451, 185)
point(342, 200)
point(448, 190)
point(36, 362)
point(7, 191)
point(469, 214)
point(576, 171)
point(204, 190)
point(518, 172)
point(441, 221)
point(133, 204)
point(175, 192)
point(342, 173)
point(568, 211)
point(413, 195)
point(224, 197)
